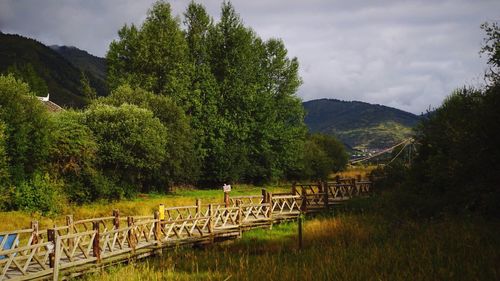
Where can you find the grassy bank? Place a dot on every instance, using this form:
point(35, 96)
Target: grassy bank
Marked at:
point(344, 247)
point(144, 204)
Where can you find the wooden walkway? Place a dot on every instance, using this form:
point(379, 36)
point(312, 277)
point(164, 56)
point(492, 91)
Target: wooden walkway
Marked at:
point(79, 246)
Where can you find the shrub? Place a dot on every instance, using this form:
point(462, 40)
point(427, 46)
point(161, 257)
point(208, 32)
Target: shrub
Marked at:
point(131, 143)
point(39, 194)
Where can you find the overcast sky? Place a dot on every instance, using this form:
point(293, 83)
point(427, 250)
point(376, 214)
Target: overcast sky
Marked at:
point(405, 54)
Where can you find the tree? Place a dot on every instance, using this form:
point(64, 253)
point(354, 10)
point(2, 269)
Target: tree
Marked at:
point(153, 57)
point(89, 92)
point(491, 48)
point(238, 91)
point(181, 164)
point(26, 128)
point(131, 143)
point(28, 74)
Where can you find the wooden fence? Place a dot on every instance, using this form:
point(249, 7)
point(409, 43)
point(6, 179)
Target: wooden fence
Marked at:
point(79, 246)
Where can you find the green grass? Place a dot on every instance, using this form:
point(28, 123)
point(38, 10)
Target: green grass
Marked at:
point(345, 247)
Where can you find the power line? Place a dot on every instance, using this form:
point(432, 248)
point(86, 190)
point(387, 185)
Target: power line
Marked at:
point(406, 142)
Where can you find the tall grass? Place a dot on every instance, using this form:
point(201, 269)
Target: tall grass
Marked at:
point(346, 247)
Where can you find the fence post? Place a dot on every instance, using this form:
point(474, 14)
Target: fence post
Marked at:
point(51, 237)
point(71, 229)
point(300, 225)
point(211, 218)
point(303, 206)
point(198, 207)
point(131, 236)
point(34, 233)
point(264, 196)
point(226, 199)
point(161, 209)
point(294, 188)
point(57, 257)
point(116, 220)
point(326, 190)
point(157, 232)
point(239, 217)
point(96, 250)
point(270, 201)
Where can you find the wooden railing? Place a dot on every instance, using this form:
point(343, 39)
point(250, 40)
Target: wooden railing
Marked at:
point(72, 249)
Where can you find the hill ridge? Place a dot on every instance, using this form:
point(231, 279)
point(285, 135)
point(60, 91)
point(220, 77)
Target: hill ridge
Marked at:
point(359, 124)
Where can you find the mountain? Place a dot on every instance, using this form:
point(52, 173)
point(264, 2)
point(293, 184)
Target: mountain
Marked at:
point(359, 124)
point(60, 77)
point(93, 66)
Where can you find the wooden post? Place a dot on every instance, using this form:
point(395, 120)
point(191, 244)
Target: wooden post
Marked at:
point(270, 201)
point(303, 207)
point(211, 218)
point(161, 209)
point(264, 196)
point(57, 257)
point(131, 236)
point(239, 219)
point(157, 232)
point(51, 237)
point(96, 250)
point(300, 222)
point(198, 206)
point(157, 226)
point(226, 199)
point(294, 188)
point(116, 220)
point(326, 190)
point(71, 229)
point(34, 233)
point(337, 178)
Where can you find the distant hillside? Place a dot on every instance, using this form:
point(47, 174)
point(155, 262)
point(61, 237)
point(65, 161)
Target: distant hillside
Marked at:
point(61, 76)
point(94, 67)
point(359, 124)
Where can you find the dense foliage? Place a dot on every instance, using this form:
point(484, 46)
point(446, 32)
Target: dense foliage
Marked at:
point(456, 167)
point(238, 91)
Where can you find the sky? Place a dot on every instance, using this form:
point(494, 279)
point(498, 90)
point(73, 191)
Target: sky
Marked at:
point(405, 54)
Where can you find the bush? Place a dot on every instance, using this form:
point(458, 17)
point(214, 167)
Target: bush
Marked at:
point(39, 194)
point(72, 155)
point(131, 144)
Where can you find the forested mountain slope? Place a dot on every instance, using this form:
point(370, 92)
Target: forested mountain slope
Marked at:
point(55, 74)
point(359, 124)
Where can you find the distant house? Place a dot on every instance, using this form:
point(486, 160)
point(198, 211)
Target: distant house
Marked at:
point(51, 106)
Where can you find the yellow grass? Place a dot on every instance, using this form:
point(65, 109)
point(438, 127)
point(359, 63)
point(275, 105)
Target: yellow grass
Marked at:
point(353, 171)
point(349, 247)
point(141, 205)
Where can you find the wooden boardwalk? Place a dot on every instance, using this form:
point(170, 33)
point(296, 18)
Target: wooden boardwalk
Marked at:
point(80, 246)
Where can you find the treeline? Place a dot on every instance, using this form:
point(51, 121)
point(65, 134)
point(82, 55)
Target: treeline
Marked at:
point(203, 105)
point(457, 166)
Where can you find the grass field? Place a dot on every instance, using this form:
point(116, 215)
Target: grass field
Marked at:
point(144, 204)
point(341, 247)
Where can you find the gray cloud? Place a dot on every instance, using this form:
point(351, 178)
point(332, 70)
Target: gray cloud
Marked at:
point(406, 54)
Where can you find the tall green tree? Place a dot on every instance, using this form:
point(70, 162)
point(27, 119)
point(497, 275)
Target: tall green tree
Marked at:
point(153, 57)
point(87, 90)
point(27, 128)
point(238, 91)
